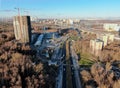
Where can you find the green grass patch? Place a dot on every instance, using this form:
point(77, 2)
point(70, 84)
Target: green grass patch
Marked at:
point(74, 38)
point(85, 59)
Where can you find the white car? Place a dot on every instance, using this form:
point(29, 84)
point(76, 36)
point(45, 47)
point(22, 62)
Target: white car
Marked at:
point(52, 63)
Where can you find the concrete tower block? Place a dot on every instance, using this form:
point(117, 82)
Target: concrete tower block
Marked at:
point(22, 28)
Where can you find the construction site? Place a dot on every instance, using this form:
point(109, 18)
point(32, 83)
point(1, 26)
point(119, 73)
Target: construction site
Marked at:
point(54, 57)
point(49, 47)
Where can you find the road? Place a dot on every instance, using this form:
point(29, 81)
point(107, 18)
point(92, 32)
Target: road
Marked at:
point(71, 76)
point(76, 75)
point(117, 38)
point(61, 78)
point(64, 68)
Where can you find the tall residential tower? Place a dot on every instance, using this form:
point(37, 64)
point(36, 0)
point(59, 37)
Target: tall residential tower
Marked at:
point(22, 28)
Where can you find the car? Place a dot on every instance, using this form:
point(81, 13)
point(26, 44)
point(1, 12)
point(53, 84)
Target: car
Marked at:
point(50, 62)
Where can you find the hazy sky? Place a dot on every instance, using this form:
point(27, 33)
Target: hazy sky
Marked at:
point(62, 8)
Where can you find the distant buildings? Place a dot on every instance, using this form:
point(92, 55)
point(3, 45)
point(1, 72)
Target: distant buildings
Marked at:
point(22, 28)
point(69, 21)
point(58, 21)
point(34, 19)
point(111, 27)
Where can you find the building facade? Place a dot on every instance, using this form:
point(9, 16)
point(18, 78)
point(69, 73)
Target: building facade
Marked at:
point(96, 46)
point(111, 27)
point(22, 28)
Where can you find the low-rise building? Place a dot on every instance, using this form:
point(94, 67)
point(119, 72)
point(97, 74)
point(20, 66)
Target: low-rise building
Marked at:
point(111, 27)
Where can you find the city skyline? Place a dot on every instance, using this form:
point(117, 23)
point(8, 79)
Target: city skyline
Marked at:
point(61, 8)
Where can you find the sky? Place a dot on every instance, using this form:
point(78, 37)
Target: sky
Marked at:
point(61, 8)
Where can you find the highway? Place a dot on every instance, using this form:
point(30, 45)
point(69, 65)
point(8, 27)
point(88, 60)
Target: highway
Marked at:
point(60, 57)
point(71, 76)
point(64, 68)
point(75, 69)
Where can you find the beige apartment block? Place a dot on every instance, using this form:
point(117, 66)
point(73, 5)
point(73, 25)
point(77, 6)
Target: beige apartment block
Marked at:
point(106, 38)
point(110, 37)
point(96, 46)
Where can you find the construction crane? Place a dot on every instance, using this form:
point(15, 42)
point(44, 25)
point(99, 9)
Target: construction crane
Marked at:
point(27, 12)
point(18, 9)
point(19, 18)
